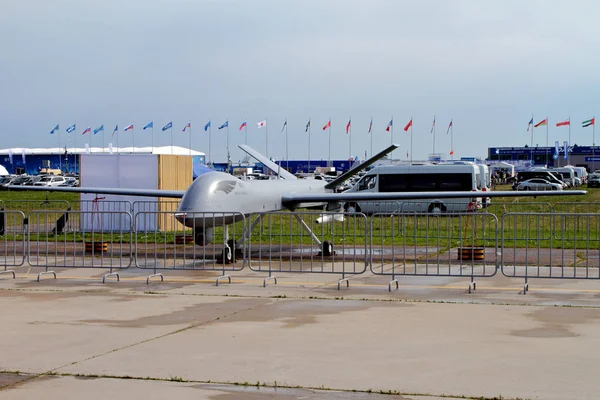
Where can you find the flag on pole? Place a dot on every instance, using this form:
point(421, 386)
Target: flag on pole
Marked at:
point(389, 126)
point(188, 125)
point(307, 126)
point(88, 129)
point(564, 123)
point(128, 128)
point(451, 152)
point(225, 125)
point(541, 123)
point(588, 122)
point(23, 156)
point(207, 126)
point(116, 130)
point(348, 125)
point(370, 125)
point(54, 130)
point(530, 124)
point(169, 125)
point(556, 150)
point(10, 155)
point(432, 125)
point(408, 125)
point(243, 125)
point(101, 129)
point(71, 128)
point(284, 125)
point(261, 123)
point(327, 125)
point(449, 126)
point(566, 150)
point(148, 125)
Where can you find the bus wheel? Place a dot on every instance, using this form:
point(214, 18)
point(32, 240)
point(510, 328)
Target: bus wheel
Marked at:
point(436, 208)
point(352, 208)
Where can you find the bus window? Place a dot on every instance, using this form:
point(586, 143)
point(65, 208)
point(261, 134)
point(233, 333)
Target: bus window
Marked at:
point(367, 182)
point(393, 182)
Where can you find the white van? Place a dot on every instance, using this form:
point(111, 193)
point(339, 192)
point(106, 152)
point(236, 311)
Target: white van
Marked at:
point(568, 175)
point(419, 178)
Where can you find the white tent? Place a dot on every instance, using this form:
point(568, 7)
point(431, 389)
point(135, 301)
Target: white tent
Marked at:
point(501, 165)
point(3, 170)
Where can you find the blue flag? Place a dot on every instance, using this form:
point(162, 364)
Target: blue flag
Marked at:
point(207, 126)
point(149, 125)
point(54, 130)
point(167, 126)
point(556, 150)
point(71, 128)
point(225, 125)
point(307, 126)
point(566, 150)
point(116, 130)
point(101, 129)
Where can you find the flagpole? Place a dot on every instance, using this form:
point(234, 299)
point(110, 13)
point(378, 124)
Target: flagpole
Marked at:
point(350, 139)
point(90, 141)
point(411, 139)
point(209, 142)
point(190, 136)
point(152, 147)
point(266, 138)
point(75, 145)
point(371, 132)
point(329, 154)
point(287, 157)
point(547, 128)
point(452, 140)
point(171, 137)
point(433, 136)
point(133, 138)
point(59, 152)
point(391, 138)
point(308, 172)
point(531, 144)
point(227, 127)
point(103, 138)
point(246, 130)
point(569, 132)
point(594, 144)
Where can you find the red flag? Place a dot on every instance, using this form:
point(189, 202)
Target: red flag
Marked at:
point(541, 123)
point(408, 125)
point(564, 123)
point(451, 152)
point(348, 126)
point(387, 129)
point(327, 125)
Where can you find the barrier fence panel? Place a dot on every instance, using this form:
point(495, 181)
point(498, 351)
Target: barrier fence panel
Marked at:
point(106, 244)
point(499, 208)
point(559, 246)
point(296, 243)
point(12, 240)
point(27, 206)
point(445, 244)
point(208, 245)
point(577, 207)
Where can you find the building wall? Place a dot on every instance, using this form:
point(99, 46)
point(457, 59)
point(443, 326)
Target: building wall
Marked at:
point(174, 173)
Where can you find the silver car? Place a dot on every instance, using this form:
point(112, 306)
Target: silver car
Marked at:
point(538, 184)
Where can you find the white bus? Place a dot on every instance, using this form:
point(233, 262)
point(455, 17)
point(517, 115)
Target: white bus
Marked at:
point(419, 178)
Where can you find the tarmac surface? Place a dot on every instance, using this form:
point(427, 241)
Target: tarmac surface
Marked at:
point(74, 337)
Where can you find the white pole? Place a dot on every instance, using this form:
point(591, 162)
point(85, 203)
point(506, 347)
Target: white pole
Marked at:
point(308, 146)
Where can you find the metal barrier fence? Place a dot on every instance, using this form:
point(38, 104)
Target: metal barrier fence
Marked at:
point(107, 244)
point(577, 207)
point(450, 245)
point(296, 243)
point(172, 248)
point(12, 240)
point(554, 246)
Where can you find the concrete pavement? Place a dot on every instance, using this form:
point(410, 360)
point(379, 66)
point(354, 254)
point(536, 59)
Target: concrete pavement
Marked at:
point(74, 337)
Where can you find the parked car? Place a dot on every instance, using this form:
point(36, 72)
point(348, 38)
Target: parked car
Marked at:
point(538, 184)
point(6, 180)
point(70, 182)
point(31, 180)
point(50, 180)
point(594, 180)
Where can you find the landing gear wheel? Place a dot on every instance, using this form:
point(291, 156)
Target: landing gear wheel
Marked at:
point(436, 208)
point(326, 249)
point(352, 208)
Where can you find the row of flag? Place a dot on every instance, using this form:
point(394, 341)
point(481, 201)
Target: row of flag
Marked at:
point(260, 124)
point(567, 122)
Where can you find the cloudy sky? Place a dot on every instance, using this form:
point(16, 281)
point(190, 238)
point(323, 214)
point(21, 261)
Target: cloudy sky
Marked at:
point(488, 65)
